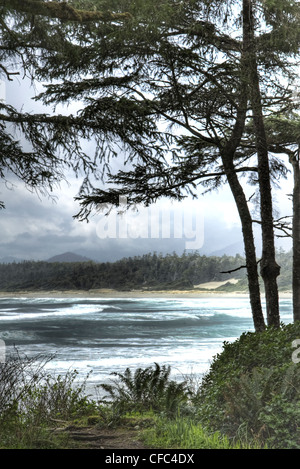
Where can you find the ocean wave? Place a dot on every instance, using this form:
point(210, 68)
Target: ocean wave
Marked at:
point(46, 314)
point(109, 334)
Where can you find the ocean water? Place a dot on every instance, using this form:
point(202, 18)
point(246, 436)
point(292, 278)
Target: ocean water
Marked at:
point(96, 336)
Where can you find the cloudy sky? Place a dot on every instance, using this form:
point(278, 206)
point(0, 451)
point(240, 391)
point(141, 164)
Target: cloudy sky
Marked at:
point(37, 228)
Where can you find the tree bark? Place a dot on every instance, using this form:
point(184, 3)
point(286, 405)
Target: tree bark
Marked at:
point(227, 154)
point(296, 237)
point(249, 245)
point(269, 267)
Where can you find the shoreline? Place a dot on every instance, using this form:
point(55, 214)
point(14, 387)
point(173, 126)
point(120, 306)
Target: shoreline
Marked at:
point(110, 293)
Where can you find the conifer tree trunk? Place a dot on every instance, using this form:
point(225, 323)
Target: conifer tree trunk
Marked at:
point(238, 193)
point(249, 245)
point(269, 268)
point(296, 237)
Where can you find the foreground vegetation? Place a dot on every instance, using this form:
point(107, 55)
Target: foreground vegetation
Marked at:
point(248, 399)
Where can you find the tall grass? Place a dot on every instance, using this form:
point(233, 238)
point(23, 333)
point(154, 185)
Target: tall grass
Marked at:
point(184, 433)
point(30, 399)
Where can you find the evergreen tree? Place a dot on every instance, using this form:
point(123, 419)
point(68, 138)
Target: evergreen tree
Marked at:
point(171, 84)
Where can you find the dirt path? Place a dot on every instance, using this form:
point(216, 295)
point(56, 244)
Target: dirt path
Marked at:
point(101, 438)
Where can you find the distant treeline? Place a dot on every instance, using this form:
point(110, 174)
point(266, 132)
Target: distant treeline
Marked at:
point(150, 271)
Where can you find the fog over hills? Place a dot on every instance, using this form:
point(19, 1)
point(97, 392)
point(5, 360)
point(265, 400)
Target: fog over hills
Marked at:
point(68, 257)
point(231, 250)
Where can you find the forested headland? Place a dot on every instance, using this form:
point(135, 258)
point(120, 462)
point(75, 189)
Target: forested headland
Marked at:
point(151, 271)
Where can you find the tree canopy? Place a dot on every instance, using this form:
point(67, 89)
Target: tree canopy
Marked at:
point(35, 33)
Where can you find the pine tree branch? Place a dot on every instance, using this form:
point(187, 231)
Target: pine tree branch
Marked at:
point(62, 11)
point(7, 73)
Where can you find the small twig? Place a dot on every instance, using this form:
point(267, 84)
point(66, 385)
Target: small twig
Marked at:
point(284, 227)
point(58, 420)
point(238, 268)
point(251, 196)
point(282, 218)
point(234, 270)
point(7, 73)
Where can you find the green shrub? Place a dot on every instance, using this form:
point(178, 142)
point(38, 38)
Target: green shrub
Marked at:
point(281, 423)
point(252, 389)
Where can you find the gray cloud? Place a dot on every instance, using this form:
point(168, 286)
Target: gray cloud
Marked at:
point(34, 228)
point(38, 228)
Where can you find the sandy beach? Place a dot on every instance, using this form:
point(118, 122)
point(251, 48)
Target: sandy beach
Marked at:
point(110, 293)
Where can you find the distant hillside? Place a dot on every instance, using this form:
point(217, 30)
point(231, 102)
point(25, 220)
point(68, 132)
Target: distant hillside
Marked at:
point(68, 257)
point(231, 250)
point(149, 272)
point(9, 260)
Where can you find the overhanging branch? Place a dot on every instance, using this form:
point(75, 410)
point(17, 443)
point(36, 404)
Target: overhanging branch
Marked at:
point(62, 11)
